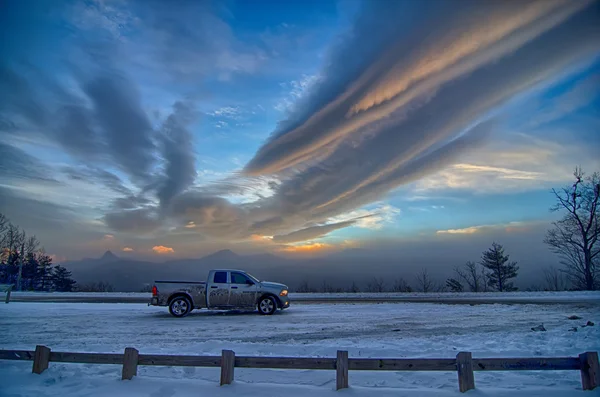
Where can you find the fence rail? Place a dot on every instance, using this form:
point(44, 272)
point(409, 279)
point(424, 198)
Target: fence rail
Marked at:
point(587, 363)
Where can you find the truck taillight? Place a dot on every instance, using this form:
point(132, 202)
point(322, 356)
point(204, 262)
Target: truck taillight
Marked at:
point(154, 291)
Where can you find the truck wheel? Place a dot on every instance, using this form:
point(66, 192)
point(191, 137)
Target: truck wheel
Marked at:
point(267, 305)
point(180, 306)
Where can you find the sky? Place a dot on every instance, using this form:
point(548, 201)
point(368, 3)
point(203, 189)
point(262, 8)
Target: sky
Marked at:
point(174, 129)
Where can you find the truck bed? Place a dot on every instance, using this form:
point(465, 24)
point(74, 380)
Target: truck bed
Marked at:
point(196, 290)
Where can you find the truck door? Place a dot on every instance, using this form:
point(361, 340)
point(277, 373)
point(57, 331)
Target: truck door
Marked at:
point(242, 291)
point(218, 290)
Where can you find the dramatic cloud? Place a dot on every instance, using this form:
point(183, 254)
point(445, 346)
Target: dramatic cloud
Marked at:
point(34, 213)
point(506, 227)
point(127, 249)
point(125, 126)
point(183, 43)
point(180, 170)
point(410, 96)
point(370, 219)
point(460, 39)
point(18, 166)
point(310, 232)
point(161, 249)
point(307, 248)
point(97, 175)
point(393, 116)
point(467, 230)
point(214, 216)
point(139, 221)
point(103, 125)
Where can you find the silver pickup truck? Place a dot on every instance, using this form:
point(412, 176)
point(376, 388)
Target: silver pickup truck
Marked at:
point(225, 289)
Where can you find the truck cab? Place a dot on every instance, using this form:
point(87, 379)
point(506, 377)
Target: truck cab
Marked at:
point(231, 288)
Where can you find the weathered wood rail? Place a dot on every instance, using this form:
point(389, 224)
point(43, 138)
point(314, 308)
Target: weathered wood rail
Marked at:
point(587, 363)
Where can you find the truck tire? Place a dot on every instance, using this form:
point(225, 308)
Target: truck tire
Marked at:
point(267, 305)
point(180, 306)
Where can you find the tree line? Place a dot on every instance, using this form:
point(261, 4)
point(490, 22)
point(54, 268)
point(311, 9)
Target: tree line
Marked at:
point(494, 273)
point(24, 264)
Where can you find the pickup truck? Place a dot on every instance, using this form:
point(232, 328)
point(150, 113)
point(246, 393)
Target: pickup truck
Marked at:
point(225, 289)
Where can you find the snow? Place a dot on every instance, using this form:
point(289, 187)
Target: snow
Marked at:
point(391, 330)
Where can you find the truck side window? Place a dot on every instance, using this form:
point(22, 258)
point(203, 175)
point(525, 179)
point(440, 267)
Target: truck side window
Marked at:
point(238, 278)
point(221, 277)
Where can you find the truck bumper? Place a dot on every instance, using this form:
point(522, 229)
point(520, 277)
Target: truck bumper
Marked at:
point(284, 302)
point(153, 302)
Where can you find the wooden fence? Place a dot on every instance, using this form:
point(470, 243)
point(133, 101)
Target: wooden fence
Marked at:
point(464, 364)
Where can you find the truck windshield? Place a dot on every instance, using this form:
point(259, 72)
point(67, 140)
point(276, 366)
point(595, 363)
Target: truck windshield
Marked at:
point(253, 278)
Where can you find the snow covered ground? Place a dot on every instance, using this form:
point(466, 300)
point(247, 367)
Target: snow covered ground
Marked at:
point(318, 330)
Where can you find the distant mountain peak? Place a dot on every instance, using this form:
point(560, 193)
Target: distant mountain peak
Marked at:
point(109, 256)
point(225, 253)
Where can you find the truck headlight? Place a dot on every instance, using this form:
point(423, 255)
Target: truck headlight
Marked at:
point(283, 293)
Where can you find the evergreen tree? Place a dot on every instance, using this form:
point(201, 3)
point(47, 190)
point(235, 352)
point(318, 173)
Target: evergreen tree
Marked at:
point(44, 272)
point(29, 279)
point(497, 262)
point(62, 279)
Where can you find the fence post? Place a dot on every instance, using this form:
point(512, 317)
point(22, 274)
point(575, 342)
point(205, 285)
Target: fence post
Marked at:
point(227, 366)
point(464, 365)
point(40, 359)
point(8, 294)
point(590, 374)
point(341, 370)
point(130, 363)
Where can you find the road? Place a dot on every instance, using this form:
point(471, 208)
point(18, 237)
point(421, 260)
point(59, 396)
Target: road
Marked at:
point(443, 298)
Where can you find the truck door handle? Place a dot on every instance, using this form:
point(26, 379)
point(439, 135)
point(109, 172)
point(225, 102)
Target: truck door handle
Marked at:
point(214, 286)
point(233, 287)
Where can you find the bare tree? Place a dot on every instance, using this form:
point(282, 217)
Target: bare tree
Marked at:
point(454, 285)
point(14, 240)
point(100, 286)
point(555, 280)
point(327, 287)
point(424, 282)
point(471, 274)
point(376, 285)
point(354, 288)
point(439, 287)
point(3, 229)
point(575, 238)
point(31, 245)
point(400, 285)
point(304, 287)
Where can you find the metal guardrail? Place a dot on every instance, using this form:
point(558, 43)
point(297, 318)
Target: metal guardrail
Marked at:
point(587, 363)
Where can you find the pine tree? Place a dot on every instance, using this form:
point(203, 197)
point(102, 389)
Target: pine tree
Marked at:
point(62, 279)
point(44, 272)
point(29, 278)
point(495, 260)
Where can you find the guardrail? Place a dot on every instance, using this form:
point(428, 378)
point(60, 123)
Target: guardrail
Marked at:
point(587, 363)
